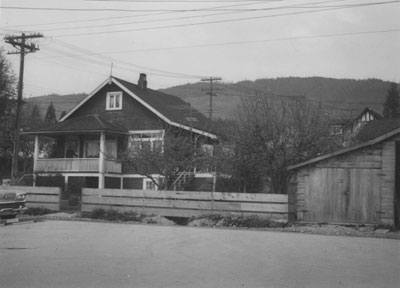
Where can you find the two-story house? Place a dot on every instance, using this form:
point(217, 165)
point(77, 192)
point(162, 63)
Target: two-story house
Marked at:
point(85, 143)
point(347, 129)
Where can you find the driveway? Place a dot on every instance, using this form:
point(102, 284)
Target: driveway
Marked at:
point(88, 254)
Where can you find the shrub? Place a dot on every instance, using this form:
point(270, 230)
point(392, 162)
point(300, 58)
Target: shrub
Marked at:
point(38, 211)
point(241, 221)
point(114, 215)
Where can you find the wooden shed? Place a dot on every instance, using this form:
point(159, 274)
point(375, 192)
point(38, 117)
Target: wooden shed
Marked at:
point(360, 184)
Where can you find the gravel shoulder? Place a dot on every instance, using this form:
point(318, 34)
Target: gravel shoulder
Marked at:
point(322, 229)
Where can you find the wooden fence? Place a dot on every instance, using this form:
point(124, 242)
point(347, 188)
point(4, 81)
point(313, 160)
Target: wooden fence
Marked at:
point(45, 197)
point(186, 204)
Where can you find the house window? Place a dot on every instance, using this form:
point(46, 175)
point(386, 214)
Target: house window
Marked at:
point(208, 149)
point(71, 147)
point(150, 139)
point(148, 184)
point(92, 148)
point(336, 129)
point(114, 101)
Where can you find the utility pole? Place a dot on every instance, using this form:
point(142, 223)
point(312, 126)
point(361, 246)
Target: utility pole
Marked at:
point(210, 92)
point(23, 48)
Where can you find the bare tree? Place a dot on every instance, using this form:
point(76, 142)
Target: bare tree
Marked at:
point(274, 133)
point(164, 162)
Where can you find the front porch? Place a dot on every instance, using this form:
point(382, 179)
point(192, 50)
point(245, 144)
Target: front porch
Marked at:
point(78, 165)
point(85, 145)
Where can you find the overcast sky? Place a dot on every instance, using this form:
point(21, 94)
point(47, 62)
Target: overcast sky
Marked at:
point(177, 42)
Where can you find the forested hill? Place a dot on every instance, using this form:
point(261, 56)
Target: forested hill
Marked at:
point(61, 103)
point(345, 96)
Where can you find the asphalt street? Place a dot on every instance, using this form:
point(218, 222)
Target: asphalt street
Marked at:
point(89, 254)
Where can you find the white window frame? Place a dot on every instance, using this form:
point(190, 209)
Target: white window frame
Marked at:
point(150, 139)
point(115, 95)
point(151, 183)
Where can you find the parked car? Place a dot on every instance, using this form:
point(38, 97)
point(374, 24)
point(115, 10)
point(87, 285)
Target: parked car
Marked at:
point(12, 203)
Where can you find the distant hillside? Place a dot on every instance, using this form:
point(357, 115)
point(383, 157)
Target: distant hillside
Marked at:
point(61, 102)
point(346, 97)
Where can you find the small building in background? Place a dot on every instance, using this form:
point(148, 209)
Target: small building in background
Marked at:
point(355, 185)
point(347, 129)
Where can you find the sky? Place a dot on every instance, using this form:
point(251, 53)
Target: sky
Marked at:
point(179, 42)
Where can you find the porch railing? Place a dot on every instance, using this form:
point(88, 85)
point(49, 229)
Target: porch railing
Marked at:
point(112, 167)
point(68, 165)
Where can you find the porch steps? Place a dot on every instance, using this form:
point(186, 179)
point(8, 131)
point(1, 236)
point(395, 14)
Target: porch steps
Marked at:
point(182, 179)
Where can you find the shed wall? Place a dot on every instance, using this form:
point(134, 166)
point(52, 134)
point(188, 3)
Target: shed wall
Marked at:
point(347, 188)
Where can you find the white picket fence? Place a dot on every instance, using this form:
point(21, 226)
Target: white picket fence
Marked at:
point(186, 203)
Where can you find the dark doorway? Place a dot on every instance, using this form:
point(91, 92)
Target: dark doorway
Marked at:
point(72, 196)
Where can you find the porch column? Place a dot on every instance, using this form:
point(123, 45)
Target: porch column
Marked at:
point(101, 159)
point(36, 153)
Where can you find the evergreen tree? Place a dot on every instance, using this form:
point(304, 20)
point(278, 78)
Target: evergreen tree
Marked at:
point(50, 116)
point(63, 113)
point(391, 107)
point(7, 104)
point(35, 120)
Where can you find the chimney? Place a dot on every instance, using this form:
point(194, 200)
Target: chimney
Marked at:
point(142, 82)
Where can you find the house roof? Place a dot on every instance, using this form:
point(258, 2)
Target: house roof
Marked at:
point(372, 133)
point(91, 123)
point(172, 109)
point(376, 115)
point(350, 121)
point(376, 128)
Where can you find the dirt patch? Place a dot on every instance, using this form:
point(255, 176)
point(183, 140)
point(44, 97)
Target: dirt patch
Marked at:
point(232, 222)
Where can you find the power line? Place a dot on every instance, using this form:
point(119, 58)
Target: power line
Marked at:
point(228, 20)
point(144, 15)
point(230, 43)
point(118, 63)
point(196, 16)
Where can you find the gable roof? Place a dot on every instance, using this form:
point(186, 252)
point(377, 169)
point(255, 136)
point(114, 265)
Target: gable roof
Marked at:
point(376, 115)
point(352, 120)
point(91, 123)
point(375, 131)
point(171, 109)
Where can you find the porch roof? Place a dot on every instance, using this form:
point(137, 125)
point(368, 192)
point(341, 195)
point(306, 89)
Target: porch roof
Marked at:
point(85, 124)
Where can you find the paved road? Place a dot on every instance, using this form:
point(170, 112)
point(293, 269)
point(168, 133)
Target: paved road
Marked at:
point(86, 254)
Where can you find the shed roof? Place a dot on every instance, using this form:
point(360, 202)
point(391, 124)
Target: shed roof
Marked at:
point(372, 133)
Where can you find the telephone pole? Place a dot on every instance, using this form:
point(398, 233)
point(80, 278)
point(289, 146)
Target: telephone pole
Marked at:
point(20, 43)
point(210, 92)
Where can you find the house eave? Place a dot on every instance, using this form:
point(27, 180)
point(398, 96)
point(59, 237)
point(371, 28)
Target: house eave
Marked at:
point(70, 132)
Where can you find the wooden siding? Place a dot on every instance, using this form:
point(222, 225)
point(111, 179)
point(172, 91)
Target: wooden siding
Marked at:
point(186, 204)
point(44, 197)
point(133, 116)
point(342, 189)
point(388, 182)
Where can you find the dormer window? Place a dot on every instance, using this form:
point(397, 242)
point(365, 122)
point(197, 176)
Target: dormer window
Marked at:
point(114, 101)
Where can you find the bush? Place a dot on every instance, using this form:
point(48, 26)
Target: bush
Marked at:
point(38, 211)
point(240, 221)
point(114, 215)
